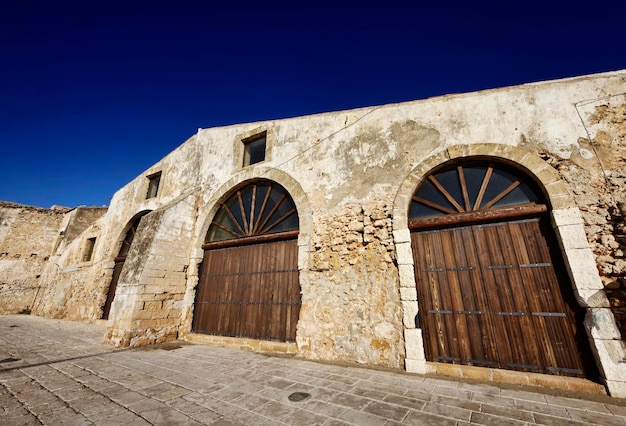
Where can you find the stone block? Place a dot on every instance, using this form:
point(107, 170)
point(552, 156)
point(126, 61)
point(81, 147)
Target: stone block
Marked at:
point(165, 322)
point(416, 366)
point(476, 373)
point(601, 324)
point(407, 276)
point(617, 389)
point(562, 201)
point(592, 298)
point(409, 311)
point(146, 315)
point(519, 155)
point(152, 306)
point(174, 313)
point(155, 273)
point(547, 175)
point(514, 377)
point(547, 381)
point(147, 280)
point(489, 149)
point(175, 275)
point(536, 165)
point(586, 386)
point(404, 254)
point(458, 151)
point(558, 189)
point(402, 236)
point(408, 293)
point(414, 344)
point(569, 216)
point(452, 370)
point(582, 269)
point(304, 256)
point(573, 237)
point(154, 289)
point(613, 359)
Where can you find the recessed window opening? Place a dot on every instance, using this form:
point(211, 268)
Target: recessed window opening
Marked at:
point(153, 185)
point(254, 149)
point(91, 242)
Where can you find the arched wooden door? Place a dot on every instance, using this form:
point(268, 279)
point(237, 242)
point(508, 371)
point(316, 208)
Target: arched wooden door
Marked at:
point(491, 285)
point(119, 263)
point(249, 284)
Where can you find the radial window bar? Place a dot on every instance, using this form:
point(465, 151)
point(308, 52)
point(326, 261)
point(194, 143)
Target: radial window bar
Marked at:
point(448, 198)
point(258, 209)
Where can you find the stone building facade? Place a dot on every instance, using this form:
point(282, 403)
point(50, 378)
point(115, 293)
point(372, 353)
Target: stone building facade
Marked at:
point(314, 235)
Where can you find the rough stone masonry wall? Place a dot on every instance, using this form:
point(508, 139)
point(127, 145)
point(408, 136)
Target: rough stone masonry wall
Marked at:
point(68, 280)
point(351, 305)
point(596, 173)
point(607, 227)
point(27, 238)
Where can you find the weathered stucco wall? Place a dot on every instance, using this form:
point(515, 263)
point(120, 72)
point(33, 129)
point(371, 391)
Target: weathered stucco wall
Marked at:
point(351, 175)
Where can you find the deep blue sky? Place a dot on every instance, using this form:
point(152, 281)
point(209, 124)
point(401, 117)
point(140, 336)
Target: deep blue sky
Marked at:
point(94, 92)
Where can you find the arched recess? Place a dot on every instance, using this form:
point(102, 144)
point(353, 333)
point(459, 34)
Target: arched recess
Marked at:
point(249, 281)
point(491, 283)
point(126, 243)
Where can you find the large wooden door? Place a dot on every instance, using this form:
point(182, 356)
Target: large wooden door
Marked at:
point(249, 284)
point(250, 291)
point(491, 285)
point(490, 296)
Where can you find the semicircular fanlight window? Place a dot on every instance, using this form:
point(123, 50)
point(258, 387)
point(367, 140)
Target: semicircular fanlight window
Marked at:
point(256, 209)
point(468, 188)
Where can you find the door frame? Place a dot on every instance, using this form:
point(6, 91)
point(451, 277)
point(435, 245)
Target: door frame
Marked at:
point(569, 231)
point(206, 214)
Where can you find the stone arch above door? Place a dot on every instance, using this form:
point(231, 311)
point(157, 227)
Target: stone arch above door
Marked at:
point(555, 189)
point(240, 179)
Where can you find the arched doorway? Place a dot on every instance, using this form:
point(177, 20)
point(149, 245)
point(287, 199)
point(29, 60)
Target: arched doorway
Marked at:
point(249, 284)
point(119, 262)
point(491, 284)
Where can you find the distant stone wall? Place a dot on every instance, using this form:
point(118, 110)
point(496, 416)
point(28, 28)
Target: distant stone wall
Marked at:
point(27, 239)
point(30, 238)
point(68, 291)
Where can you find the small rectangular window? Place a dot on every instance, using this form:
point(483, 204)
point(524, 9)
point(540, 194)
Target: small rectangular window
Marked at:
point(254, 151)
point(153, 185)
point(91, 243)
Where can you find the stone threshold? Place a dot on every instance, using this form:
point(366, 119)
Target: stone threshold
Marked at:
point(516, 377)
point(254, 345)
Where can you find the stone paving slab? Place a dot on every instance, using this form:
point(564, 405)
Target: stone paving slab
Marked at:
point(56, 372)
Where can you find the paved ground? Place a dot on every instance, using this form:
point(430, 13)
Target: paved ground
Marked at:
point(60, 373)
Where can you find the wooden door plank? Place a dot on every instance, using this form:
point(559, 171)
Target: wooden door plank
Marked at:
point(246, 291)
